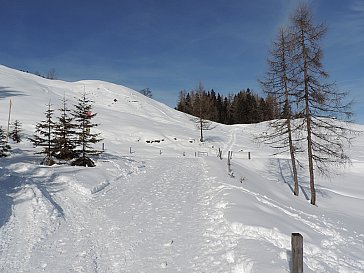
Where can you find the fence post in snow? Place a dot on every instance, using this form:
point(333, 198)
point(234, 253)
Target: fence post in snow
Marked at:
point(130, 150)
point(230, 155)
point(297, 252)
point(219, 155)
point(249, 155)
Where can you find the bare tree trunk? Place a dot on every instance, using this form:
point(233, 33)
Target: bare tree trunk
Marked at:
point(310, 154)
point(293, 159)
point(308, 121)
point(201, 130)
point(292, 149)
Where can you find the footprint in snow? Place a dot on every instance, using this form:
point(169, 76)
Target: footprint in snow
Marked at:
point(169, 243)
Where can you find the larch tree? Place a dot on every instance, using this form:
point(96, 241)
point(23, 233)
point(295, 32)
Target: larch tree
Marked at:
point(201, 110)
point(280, 82)
point(321, 104)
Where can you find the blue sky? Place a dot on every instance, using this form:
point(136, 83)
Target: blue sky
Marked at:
point(170, 45)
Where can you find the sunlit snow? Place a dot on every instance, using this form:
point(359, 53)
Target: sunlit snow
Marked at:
point(160, 201)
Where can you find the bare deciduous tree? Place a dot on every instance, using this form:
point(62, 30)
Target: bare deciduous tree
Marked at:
point(201, 111)
point(280, 82)
point(318, 100)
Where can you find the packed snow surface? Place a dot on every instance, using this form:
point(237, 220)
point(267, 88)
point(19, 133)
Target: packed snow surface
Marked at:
point(160, 201)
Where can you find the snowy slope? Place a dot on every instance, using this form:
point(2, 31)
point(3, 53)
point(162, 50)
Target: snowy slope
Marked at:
point(161, 208)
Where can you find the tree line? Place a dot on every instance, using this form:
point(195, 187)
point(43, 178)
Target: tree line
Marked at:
point(243, 107)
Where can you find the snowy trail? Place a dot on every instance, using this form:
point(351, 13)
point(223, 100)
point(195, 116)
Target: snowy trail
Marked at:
point(138, 223)
point(162, 212)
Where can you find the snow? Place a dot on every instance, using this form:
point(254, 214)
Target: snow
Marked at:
point(160, 201)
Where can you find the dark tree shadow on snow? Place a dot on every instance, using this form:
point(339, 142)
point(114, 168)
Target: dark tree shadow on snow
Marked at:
point(6, 92)
point(281, 170)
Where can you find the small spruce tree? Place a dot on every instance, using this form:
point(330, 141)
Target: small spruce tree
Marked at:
point(4, 146)
point(44, 137)
point(65, 141)
point(15, 133)
point(83, 115)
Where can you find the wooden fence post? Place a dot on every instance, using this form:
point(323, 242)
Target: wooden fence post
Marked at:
point(219, 155)
point(249, 156)
point(230, 155)
point(297, 253)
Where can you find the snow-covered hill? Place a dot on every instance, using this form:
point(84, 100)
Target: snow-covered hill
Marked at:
point(169, 205)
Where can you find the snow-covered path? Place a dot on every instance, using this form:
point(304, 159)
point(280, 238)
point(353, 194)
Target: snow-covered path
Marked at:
point(137, 223)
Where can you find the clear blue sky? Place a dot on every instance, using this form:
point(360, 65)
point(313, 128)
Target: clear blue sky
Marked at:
point(170, 45)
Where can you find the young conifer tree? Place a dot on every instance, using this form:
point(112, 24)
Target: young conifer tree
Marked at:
point(44, 137)
point(4, 146)
point(15, 133)
point(65, 134)
point(83, 116)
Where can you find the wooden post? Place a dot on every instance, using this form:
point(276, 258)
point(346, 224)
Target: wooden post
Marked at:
point(103, 146)
point(8, 132)
point(219, 155)
point(249, 155)
point(130, 150)
point(229, 161)
point(297, 253)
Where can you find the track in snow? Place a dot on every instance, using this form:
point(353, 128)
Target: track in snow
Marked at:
point(162, 217)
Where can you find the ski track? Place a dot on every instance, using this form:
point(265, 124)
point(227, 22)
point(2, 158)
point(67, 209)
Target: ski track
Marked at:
point(33, 219)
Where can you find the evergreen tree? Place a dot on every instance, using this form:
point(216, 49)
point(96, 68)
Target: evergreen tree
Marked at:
point(243, 107)
point(83, 115)
point(15, 133)
point(65, 134)
point(4, 146)
point(146, 92)
point(44, 137)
